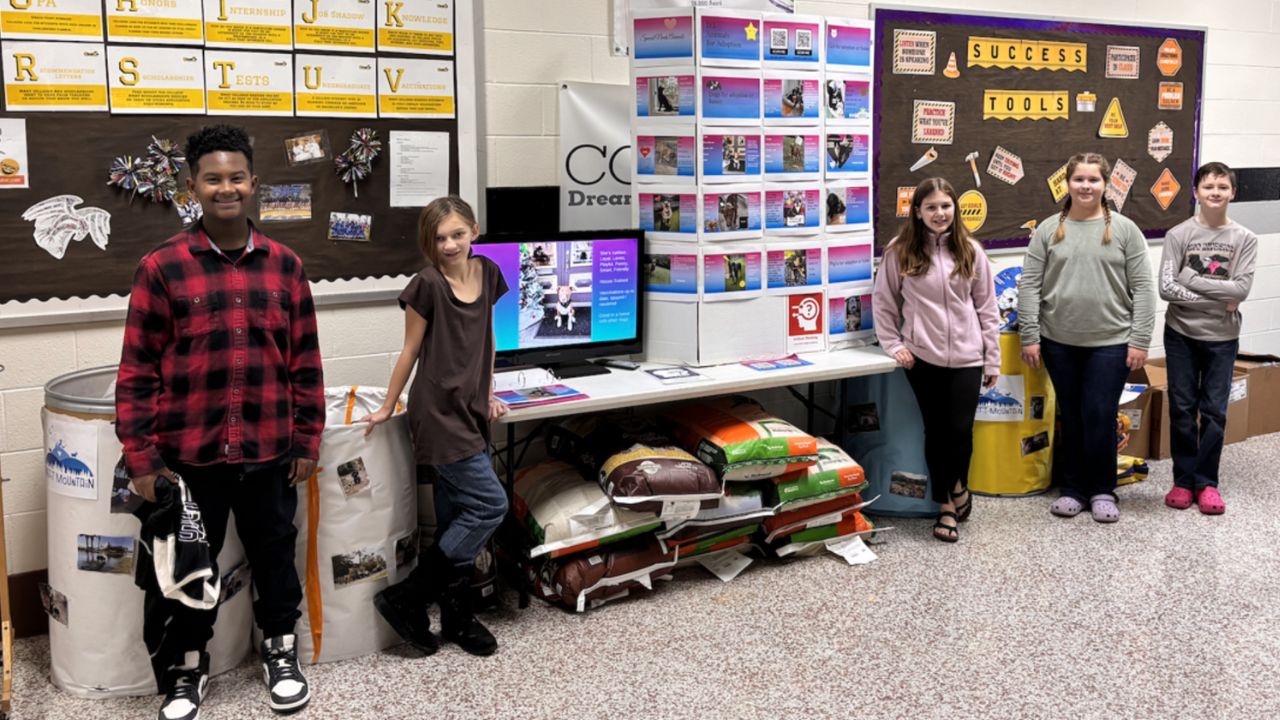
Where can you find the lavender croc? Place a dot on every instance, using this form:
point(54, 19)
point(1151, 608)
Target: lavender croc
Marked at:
point(1104, 508)
point(1066, 507)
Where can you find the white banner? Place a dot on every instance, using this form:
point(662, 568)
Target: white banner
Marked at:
point(595, 156)
point(622, 9)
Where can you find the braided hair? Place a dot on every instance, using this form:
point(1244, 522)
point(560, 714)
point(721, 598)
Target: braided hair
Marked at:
point(1104, 168)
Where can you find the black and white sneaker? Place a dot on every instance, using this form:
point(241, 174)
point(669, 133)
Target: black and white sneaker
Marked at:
point(289, 691)
point(186, 685)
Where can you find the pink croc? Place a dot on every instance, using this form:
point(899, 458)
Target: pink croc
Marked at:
point(1210, 501)
point(1179, 498)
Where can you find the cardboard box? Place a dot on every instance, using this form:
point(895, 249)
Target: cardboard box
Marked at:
point(1145, 411)
point(1237, 415)
point(1264, 392)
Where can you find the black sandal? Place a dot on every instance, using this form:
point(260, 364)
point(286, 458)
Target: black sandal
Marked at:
point(953, 532)
point(963, 511)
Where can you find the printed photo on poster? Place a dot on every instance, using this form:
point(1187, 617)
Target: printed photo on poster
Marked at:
point(793, 269)
point(792, 209)
point(407, 548)
point(1003, 402)
point(363, 565)
point(352, 227)
point(664, 157)
point(123, 499)
point(671, 272)
point(353, 477)
point(730, 156)
point(665, 95)
point(1035, 443)
point(309, 148)
point(54, 604)
point(792, 156)
point(847, 100)
point(791, 99)
point(70, 465)
point(105, 553)
point(733, 273)
point(234, 580)
point(848, 154)
point(667, 213)
point(848, 207)
point(730, 214)
point(14, 173)
point(907, 484)
point(281, 203)
point(849, 318)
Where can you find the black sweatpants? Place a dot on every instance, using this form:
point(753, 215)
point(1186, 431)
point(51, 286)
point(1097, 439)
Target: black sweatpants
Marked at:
point(948, 400)
point(264, 505)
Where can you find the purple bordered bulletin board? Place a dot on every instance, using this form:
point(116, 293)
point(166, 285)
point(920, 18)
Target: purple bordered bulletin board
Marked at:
point(998, 104)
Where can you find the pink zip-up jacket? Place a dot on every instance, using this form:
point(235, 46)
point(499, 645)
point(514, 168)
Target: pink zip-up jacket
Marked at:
point(941, 318)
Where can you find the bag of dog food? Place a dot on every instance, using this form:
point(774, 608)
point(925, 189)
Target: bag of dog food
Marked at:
point(565, 513)
point(805, 542)
point(740, 441)
point(810, 516)
point(742, 504)
point(834, 474)
point(608, 574)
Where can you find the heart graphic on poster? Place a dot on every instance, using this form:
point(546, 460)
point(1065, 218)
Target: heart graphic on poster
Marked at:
point(644, 152)
point(670, 23)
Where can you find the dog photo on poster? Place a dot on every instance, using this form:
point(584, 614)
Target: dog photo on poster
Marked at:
point(997, 105)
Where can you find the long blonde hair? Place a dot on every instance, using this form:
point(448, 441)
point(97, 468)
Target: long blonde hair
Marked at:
point(910, 245)
point(1089, 158)
point(435, 213)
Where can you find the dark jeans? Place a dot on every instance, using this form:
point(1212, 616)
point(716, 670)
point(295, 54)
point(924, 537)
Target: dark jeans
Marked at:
point(1199, 387)
point(470, 505)
point(948, 400)
point(264, 505)
point(1088, 382)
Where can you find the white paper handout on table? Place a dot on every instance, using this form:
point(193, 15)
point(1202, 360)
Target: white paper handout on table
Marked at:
point(725, 565)
point(853, 550)
point(58, 222)
point(419, 167)
point(13, 154)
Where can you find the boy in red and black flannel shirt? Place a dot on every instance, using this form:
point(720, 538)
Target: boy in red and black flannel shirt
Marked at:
point(220, 382)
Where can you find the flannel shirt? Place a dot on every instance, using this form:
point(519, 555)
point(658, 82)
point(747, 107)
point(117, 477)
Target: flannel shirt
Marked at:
point(221, 361)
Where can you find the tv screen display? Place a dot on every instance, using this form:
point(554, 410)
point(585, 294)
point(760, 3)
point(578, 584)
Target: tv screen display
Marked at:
point(571, 296)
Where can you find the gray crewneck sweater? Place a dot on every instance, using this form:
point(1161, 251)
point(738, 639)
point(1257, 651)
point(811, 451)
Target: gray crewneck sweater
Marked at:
point(1202, 270)
point(1082, 292)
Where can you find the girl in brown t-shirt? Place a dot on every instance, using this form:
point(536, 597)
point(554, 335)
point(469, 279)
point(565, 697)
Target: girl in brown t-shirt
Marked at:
point(448, 334)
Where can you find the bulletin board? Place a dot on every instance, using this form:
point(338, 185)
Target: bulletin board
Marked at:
point(71, 153)
point(996, 105)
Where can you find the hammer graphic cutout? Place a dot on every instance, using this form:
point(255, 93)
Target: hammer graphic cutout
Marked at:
point(973, 165)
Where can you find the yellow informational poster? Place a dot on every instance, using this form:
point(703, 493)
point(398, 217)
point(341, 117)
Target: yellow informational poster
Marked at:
point(152, 80)
point(415, 88)
point(247, 83)
point(155, 22)
point(248, 23)
point(1027, 54)
point(51, 19)
point(333, 25)
point(1025, 104)
point(51, 76)
point(336, 86)
point(416, 26)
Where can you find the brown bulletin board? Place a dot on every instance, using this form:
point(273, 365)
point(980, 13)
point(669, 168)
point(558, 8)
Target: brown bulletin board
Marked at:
point(923, 101)
point(70, 153)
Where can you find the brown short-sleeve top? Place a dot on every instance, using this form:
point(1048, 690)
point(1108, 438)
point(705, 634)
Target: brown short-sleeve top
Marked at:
point(449, 399)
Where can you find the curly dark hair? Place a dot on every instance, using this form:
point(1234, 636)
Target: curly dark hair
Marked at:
point(217, 138)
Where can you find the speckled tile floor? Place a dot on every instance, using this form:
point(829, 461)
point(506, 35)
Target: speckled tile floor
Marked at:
point(1164, 615)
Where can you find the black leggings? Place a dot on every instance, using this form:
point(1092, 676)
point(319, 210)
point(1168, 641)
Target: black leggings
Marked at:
point(948, 399)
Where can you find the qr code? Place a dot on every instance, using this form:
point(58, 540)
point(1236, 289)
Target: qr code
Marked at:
point(778, 41)
point(804, 42)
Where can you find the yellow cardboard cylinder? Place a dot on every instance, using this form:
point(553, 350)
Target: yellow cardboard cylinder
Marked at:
point(999, 465)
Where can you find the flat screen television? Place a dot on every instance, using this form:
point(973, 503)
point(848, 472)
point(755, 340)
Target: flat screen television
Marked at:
point(572, 297)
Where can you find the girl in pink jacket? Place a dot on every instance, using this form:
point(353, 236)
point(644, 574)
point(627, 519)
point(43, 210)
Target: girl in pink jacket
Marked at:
point(935, 313)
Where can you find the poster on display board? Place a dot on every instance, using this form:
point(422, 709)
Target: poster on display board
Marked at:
point(730, 155)
point(848, 261)
point(422, 27)
point(415, 88)
point(173, 22)
point(624, 9)
point(156, 80)
point(847, 206)
point(732, 272)
point(49, 20)
point(334, 25)
point(728, 97)
point(246, 83)
point(667, 212)
point(806, 330)
point(728, 38)
point(793, 154)
point(54, 77)
point(13, 148)
point(665, 156)
point(335, 86)
point(850, 320)
point(793, 267)
point(671, 271)
point(730, 212)
point(997, 105)
point(254, 24)
point(848, 45)
point(792, 41)
point(667, 94)
point(791, 98)
point(793, 208)
point(847, 152)
point(661, 37)
point(595, 142)
point(847, 100)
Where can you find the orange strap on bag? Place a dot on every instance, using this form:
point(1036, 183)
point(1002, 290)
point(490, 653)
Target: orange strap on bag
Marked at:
point(315, 603)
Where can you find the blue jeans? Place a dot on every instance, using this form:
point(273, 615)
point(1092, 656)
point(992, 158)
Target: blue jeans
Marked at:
point(470, 505)
point(1199, 388)
point(1088, 382)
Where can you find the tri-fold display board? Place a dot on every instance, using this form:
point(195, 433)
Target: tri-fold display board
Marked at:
point(998, 104)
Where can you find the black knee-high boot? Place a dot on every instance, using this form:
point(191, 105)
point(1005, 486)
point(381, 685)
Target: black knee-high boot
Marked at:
point(457, 616)
point(405, 605)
